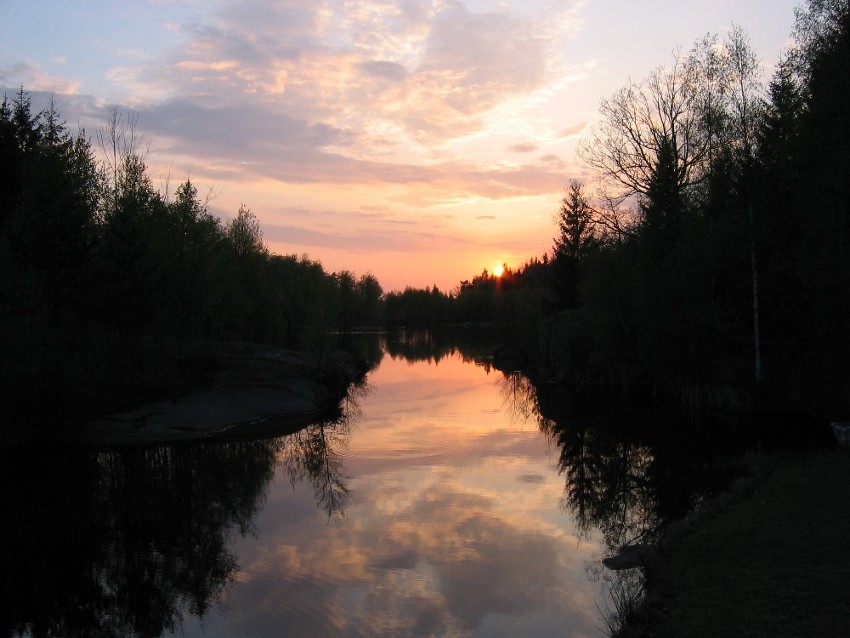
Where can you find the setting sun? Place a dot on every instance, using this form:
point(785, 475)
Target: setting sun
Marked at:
point(498, 271)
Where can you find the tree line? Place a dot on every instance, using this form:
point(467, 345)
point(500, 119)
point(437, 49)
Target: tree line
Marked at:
point(717, 253)
point(708, 253)
point(108, 283)
point(709, 249)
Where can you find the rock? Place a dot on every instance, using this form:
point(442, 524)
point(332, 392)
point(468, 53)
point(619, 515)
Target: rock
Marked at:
point(629, 557)
point(255, 391)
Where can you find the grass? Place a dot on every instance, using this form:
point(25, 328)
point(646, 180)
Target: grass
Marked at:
point(771, 560)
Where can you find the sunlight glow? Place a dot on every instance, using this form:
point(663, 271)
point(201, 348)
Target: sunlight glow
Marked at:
point(498, 271)
point(413, 141)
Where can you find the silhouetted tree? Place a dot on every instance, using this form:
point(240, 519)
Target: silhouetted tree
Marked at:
point(576, 238)
point(637, 122)
point(821, 160)
point(369, 294)
point(106, 283)
point(47, 229)
point(245, 234)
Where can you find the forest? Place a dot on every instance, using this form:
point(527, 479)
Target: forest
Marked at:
point(109, 286)
point(703, 254)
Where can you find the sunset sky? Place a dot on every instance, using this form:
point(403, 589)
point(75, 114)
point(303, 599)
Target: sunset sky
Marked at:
point(418, 140)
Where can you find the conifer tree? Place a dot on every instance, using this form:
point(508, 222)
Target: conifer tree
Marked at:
point(576, 238)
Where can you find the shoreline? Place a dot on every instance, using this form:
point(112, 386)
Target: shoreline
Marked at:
point(768, 558)
point(255, 391)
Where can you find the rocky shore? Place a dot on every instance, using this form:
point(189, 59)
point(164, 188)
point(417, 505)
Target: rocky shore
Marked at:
point(253, 390)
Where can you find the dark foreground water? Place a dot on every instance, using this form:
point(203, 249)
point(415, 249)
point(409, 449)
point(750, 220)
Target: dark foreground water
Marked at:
point(451, 499)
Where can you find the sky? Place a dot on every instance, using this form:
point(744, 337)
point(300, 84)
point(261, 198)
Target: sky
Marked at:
point(420, 141)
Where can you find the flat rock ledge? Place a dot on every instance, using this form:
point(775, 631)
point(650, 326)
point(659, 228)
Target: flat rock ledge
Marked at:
point(256, 391)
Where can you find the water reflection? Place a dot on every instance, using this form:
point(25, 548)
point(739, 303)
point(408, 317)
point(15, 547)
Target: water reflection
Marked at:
point(613, 480)
point(474, 345)
point(167, 514)
point(608, 482)
point(316, 454)
point(452, 527)
point(626, 474)
point(609, 488)
point(131, 541)
point(519, 398)
point(630, 470)
point(450, 499)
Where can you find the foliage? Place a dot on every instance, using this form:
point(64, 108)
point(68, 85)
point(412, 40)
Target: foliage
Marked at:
point(736, 207)
point(713, 254)
point(146, 532)
point(106, 283)
point(574, 243)
point(763, 555)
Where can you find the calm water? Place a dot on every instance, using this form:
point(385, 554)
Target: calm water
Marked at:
point(438, 513)
point(450, 500)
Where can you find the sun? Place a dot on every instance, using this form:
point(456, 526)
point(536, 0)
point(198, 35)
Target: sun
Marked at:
point(498, 271)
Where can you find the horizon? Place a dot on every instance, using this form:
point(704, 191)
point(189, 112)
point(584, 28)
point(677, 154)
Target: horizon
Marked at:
point(420, 143)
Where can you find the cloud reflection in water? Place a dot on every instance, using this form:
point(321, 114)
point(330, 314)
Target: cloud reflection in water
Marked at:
point(453, 527)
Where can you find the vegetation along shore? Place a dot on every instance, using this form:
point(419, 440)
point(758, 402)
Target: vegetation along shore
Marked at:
point(707, 266)
point(769, 558)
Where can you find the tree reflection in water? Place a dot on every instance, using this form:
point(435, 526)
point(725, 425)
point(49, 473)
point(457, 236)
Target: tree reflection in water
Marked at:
point(609, 484)
point(609, 487)
point(167, 514)
point(128, 541)
point(627, 473)
point(317, 453)
point(519, 397)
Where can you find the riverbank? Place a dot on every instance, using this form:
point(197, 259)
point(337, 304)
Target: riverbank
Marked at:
point(253, 390)
point(770, 559)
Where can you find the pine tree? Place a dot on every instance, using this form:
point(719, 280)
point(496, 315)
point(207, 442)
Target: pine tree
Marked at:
point(576, 238)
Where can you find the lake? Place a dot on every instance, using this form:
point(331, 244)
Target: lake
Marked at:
point(451, 499)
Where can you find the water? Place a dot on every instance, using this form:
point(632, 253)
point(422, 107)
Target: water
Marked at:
point(439, 514)
point(451, 499)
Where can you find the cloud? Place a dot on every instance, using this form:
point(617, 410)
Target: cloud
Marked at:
point(357, 233)
point(390, 71)
point(404, 104)
point(251, 140)
point(573, 131)
point(385, 80)
point(240, 132)
point(523, 147)
point(35, 79)
point(531, 478)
